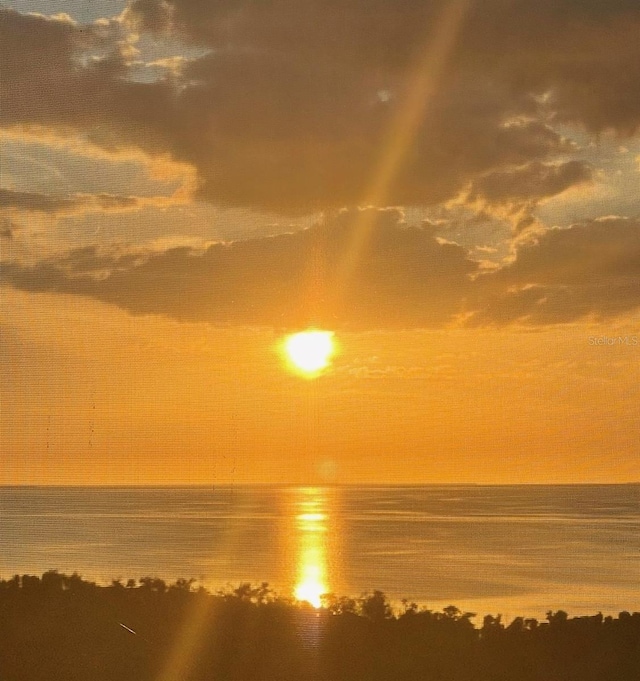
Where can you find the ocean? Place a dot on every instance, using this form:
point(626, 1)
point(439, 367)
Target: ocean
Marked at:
point(512, 550)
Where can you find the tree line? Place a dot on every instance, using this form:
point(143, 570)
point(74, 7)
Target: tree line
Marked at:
point(59, 627)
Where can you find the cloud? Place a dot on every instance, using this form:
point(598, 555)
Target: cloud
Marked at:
point(591, 269)
point(277, 107)
point(52, 73)
point(280, 109)
point(530, 183)
point(406, 278)
point(31, 201)
point(7, 229)
point(65, 205)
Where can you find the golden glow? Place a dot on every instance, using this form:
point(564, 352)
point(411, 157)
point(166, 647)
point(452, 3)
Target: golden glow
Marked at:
point(312, 586)
point(310, 351)
point(312, 517)
point(311, 530)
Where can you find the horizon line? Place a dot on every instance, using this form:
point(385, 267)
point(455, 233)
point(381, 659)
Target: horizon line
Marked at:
point(204, 485)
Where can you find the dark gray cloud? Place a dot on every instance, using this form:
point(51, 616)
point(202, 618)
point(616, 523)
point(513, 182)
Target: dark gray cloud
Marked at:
point(31, 201)
point(561, 275)
point(405, 278)
point(597, 252)
point(7, 229)
point(530, 183)
point(58, 205)
point(291, 108)
point(49, 75)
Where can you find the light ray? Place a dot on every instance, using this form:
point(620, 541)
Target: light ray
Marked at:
point(189, 640)
point(184, 650)
point(422, 85)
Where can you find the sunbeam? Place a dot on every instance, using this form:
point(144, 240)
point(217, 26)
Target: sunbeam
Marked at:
point(183, 654)
point(422, 84)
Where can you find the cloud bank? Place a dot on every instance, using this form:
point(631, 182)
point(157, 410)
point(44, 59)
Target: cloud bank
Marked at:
point(309, 106)
point(406, 277)
point(287, 106)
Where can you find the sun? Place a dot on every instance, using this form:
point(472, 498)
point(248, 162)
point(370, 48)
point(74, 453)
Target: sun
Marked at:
point(310, 351)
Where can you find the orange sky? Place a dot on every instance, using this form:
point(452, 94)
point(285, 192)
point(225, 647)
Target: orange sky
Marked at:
point(98, 396)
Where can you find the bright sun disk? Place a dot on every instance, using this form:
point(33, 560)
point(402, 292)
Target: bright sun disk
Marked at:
point(310, 351)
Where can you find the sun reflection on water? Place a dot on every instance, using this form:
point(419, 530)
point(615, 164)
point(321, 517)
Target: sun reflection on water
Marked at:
point(312, 545)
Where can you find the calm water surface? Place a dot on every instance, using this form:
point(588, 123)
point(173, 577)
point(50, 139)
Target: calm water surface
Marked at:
point(515, 550)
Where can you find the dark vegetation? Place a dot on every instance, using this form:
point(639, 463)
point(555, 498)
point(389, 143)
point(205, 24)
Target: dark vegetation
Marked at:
point(63, 628)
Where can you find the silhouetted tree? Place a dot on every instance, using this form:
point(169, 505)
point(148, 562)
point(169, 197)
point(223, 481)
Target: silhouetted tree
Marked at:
point(64, 627)
point(375, 607)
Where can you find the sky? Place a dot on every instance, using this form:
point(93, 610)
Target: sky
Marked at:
point(451, 187)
